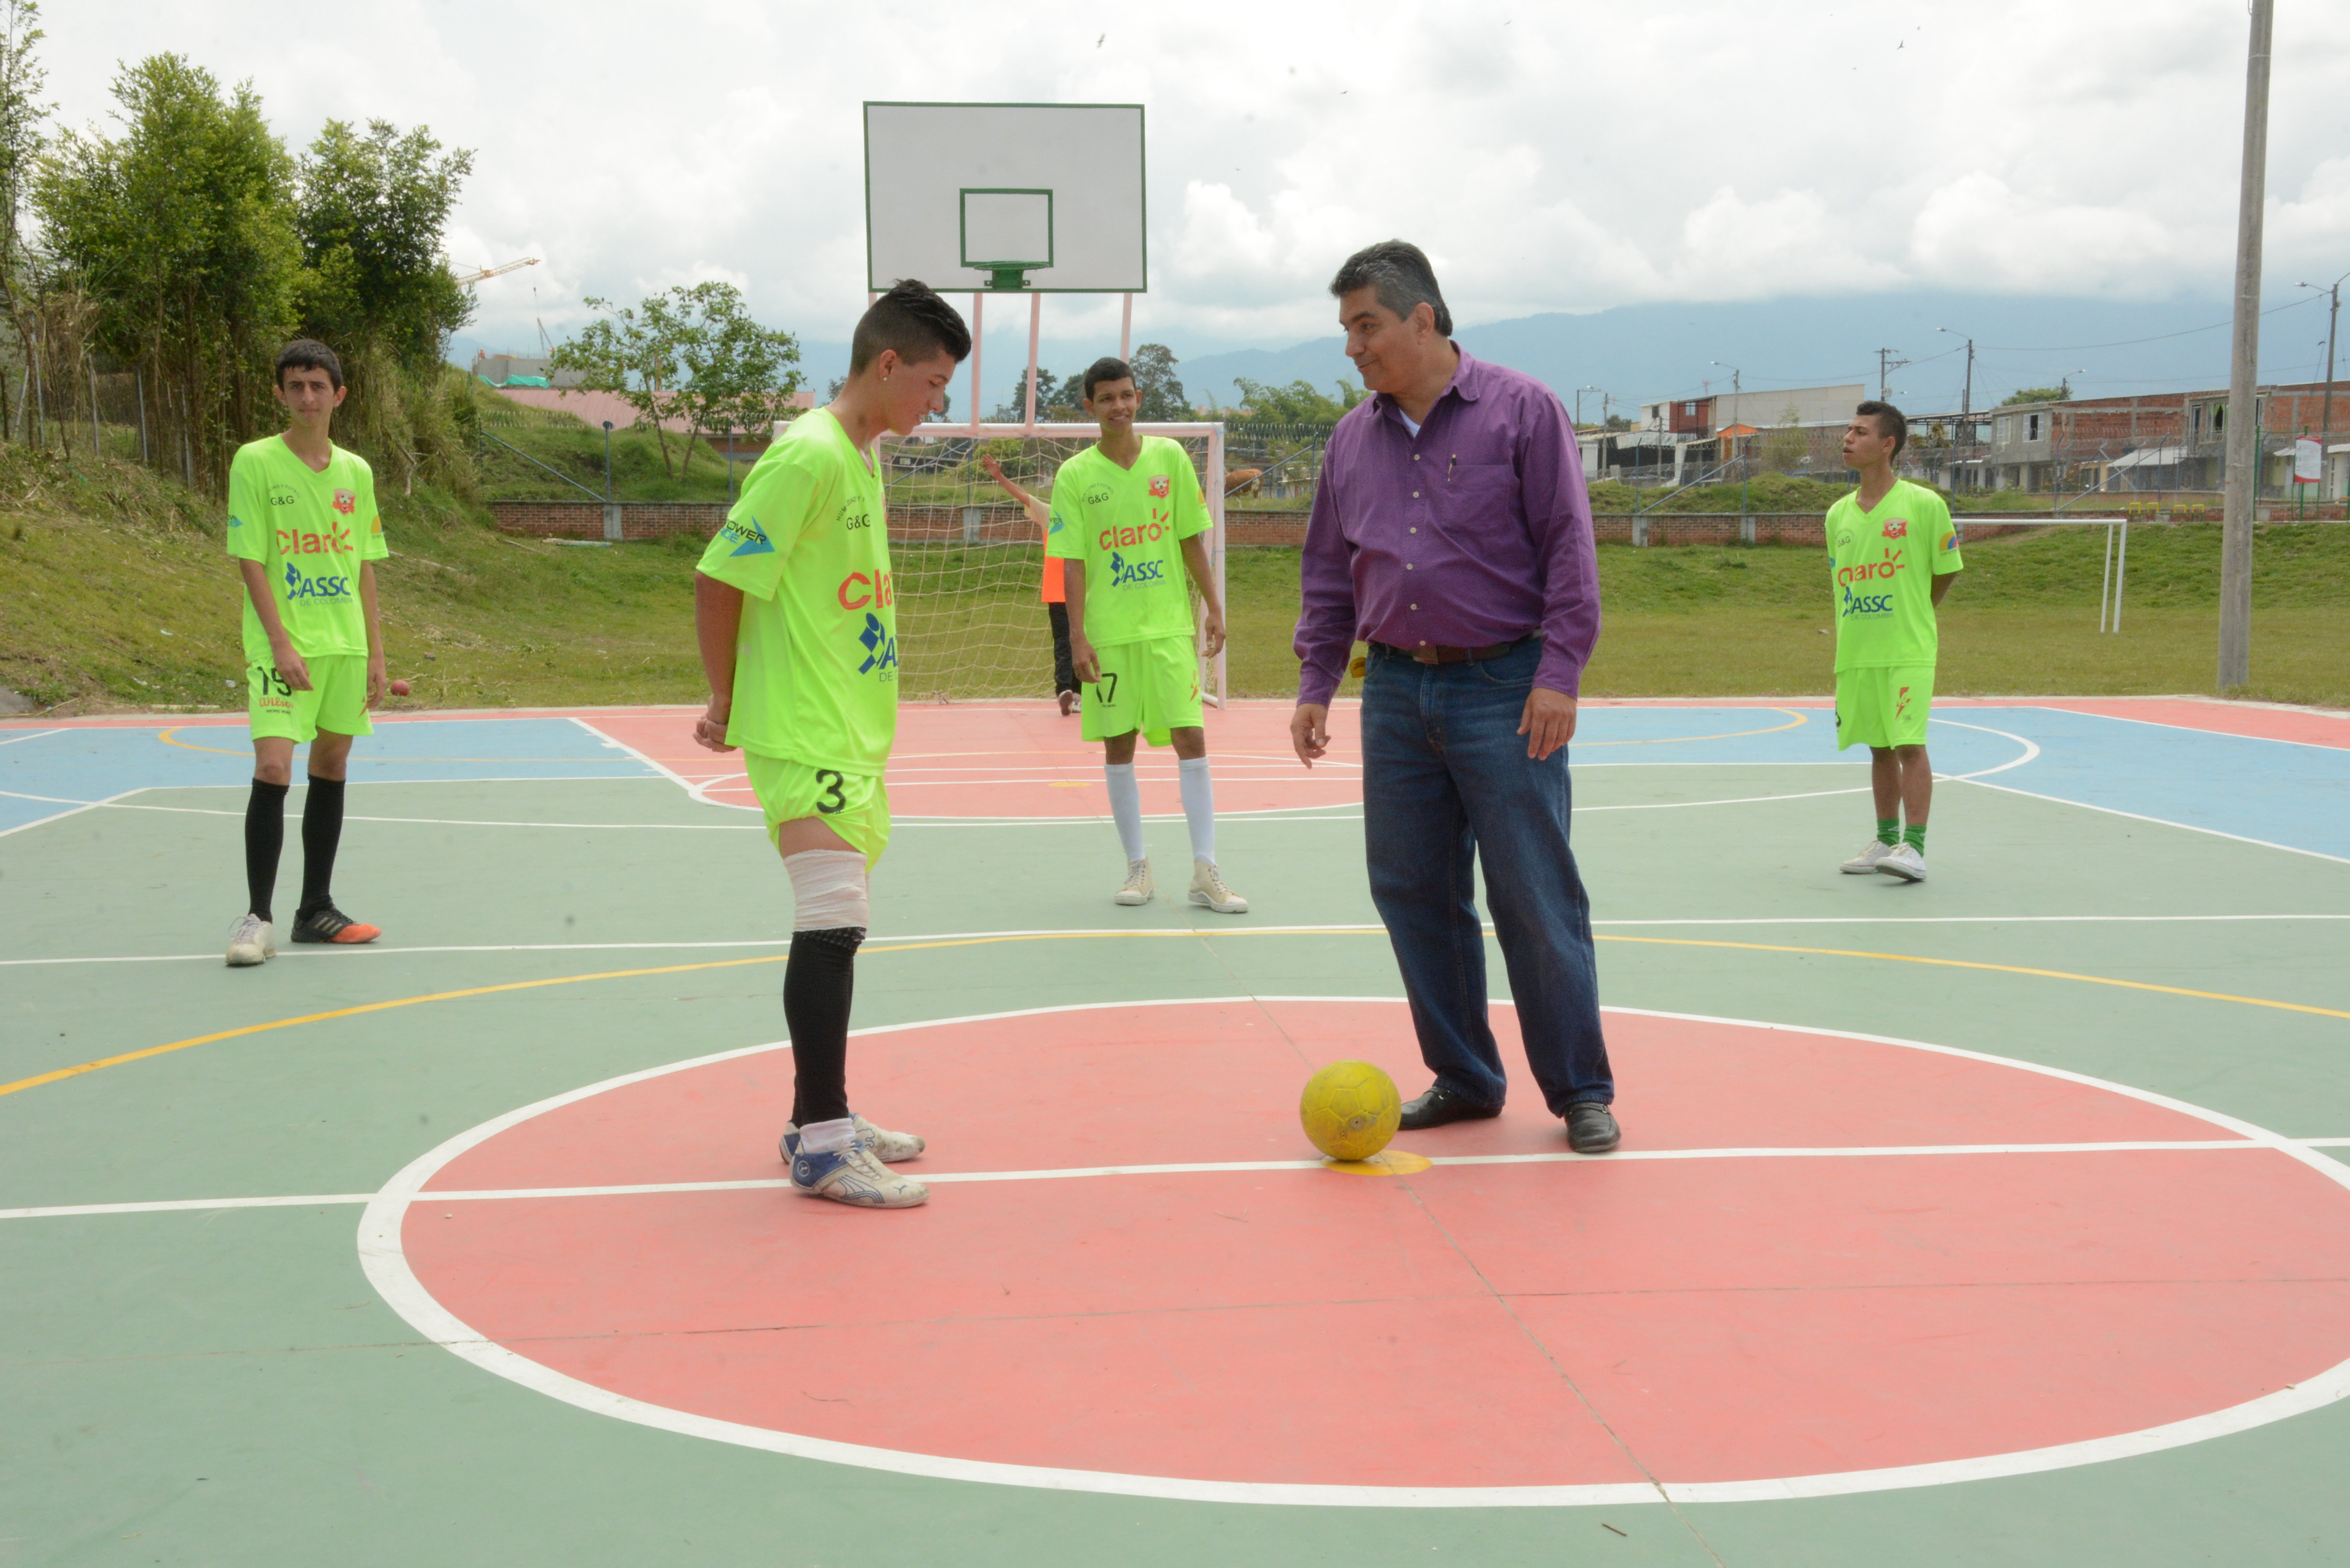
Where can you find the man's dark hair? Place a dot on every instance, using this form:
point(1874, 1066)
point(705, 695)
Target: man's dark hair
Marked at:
point(1105, 369)
point(309, 354)
point(912, 319)
point(1399, 270)
point(1890, 422)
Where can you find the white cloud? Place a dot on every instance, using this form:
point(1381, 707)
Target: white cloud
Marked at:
point(1570, 156)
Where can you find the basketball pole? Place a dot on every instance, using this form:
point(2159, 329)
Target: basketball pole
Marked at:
point(2242, 497)
point(1035, 325)
point(1126, 331)
point(977, 300)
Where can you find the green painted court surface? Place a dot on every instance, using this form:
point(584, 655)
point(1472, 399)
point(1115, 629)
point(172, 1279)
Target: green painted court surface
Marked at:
point(2155, 897)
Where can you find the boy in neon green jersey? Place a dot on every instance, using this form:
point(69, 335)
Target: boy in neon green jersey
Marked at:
point(303, 528)
point(1127, 516)
point(796, 615)
point(1892, 550)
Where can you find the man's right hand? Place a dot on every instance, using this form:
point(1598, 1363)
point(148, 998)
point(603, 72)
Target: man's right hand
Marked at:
point(290, 668)
point(710, 729)
point(1309, 730)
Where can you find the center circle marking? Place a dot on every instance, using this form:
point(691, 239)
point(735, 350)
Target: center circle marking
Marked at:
point(1693, 1317)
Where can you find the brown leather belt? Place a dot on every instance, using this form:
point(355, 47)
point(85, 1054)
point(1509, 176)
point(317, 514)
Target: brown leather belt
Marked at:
point(1441, 655)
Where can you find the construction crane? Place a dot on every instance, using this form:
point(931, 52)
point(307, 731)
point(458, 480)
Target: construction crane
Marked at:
point(470, 278)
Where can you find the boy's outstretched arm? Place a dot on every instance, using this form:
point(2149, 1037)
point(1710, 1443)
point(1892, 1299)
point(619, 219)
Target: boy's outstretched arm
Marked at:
point(1038, 512)
point(718, 624)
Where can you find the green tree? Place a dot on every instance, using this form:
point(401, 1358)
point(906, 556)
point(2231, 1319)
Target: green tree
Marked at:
point(1298, 403)
point(371, 212)
point(21, 141)
point(691, 355)
point(2059, 394)
point(180, 235)
point(1154, 377)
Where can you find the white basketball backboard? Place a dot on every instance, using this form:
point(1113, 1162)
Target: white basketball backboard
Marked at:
point(972, 197)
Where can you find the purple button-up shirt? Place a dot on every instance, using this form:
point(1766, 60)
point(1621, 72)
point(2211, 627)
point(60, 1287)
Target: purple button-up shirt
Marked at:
point(1474, 532)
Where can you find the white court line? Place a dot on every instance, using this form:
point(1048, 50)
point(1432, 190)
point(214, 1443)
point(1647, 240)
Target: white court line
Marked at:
point(78, 807)
point(884, 944)
point(2196, 728)
point(34, 736)
point(1214, 1168)
point(2159, 821)
point(386, 1266)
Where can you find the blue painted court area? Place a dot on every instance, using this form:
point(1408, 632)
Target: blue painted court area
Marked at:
point(2275, 791)
point(46, 774)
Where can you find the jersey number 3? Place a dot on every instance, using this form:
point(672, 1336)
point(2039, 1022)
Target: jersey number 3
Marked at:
point(832, 801)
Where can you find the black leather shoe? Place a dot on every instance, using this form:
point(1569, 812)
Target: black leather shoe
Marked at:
point(1440, 1105)
point(1591, 1127)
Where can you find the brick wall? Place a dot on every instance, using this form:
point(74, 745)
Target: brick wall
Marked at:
point(585, 519)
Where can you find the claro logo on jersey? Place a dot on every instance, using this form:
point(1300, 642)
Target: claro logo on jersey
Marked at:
point(298, 586)
point(1125, 574)
point(1127, 538)
point(304, 542)
point(857, 591)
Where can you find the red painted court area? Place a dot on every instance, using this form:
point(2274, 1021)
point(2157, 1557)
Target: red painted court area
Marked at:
point(1697, 1309)
point(1024, 760)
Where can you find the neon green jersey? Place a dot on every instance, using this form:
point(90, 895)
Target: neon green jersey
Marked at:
point(1127, 525)
point(1885, 561)
point(311, 530)
point(816, 670)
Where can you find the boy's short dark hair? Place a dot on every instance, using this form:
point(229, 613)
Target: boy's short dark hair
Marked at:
point(913, 320)
point(309, 354)
point(1399, 271)
point(1105, 369)
point(1890, 422)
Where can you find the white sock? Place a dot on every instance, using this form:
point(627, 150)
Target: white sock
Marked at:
point(1126, 806)
point(828, 1137)
point(1199, 808)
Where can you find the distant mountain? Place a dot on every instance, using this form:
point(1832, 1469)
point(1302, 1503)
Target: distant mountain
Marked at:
point(1642, 353)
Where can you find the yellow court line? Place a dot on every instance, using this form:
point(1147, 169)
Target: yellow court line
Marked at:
point(74, 1072)
point(2003, 968)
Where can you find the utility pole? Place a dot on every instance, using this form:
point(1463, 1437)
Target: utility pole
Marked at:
point(1885, 364)
point(2325, 408)
point(1578, 403)
point(1966, 397)
point(1738, 417)
point(2243, 451)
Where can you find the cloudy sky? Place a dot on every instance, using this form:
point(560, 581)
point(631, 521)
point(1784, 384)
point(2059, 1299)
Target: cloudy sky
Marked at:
point(1550, 157)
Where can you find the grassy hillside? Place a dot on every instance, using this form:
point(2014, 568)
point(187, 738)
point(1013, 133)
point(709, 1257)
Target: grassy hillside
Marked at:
point(114, 592)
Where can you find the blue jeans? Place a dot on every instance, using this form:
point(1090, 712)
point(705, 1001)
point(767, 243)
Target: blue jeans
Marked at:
point(1446, 776)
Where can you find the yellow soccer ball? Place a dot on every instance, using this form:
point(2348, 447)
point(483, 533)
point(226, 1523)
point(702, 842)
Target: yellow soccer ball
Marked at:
point(1351, 1110)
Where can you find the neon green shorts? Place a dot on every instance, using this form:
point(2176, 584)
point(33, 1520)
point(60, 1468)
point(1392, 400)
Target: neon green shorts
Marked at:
point(1883, 707)
point(1151, 686)
point(853, 805)
point(337, 701)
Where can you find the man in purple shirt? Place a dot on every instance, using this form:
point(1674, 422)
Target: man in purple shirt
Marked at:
point(1451, 532)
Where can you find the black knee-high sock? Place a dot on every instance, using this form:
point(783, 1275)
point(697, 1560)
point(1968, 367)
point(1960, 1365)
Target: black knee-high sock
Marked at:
point(818, 983)
point(265, 838)
point(322, 832)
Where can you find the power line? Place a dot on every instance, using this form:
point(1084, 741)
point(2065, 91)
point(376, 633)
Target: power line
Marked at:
point(2129, 342)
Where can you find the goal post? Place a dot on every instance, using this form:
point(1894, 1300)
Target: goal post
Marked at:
point(968, 563)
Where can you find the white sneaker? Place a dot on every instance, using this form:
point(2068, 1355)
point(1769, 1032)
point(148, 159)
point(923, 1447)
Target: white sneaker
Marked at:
point(1208, 888)
point(1138, 883)
point(251, 943)
point(887, 1146)
point(1905, 862)
point(854, 1175)
point(1862, 863)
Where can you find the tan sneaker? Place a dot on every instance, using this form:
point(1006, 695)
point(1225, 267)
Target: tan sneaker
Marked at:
point(887, 1146)
point(251, 943)
point(1138, 883)
point(1208, 888)
point(854, 1175)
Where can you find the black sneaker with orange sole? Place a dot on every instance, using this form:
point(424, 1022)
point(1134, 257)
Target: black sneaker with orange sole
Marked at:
point(329, 924)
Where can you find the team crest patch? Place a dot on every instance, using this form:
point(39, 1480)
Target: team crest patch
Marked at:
point(1158, 485)
point(1898, 528)
point(347, 502)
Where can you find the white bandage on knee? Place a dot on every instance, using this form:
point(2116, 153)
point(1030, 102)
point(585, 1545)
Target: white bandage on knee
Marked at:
point(828, 890)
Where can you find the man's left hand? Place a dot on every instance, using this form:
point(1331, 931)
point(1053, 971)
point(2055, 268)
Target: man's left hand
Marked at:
point(1549, 722)
point(1211, 633)
point(379, 683)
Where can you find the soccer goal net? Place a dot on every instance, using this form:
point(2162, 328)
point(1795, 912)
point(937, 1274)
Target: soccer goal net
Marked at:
point(969, 562)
